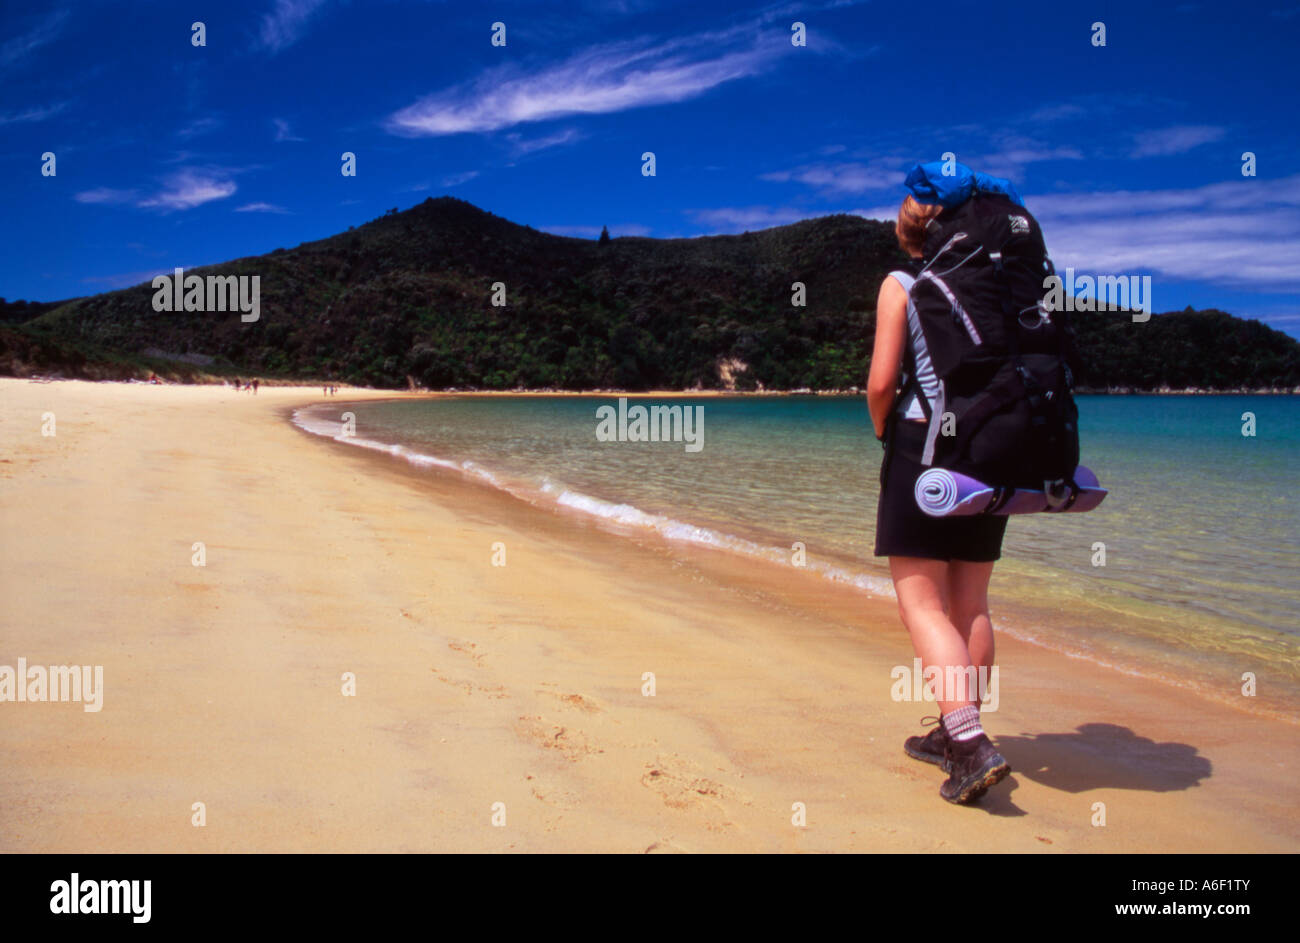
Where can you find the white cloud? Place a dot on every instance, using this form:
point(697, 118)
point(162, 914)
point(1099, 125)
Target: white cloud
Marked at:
point(260, 208)
point(455, 180)
point(833, 179)
point(1162, 142)
point(1242, 234)
point(733, 219)
point(284, 25)
point(283, 131)
point(609, 78)
point(15, 50)
point(524, 145)
point(32, 114)
point(105, 195)
point(199, 126)
point(188, 189)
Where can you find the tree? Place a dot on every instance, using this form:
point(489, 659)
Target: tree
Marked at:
point(604, 234)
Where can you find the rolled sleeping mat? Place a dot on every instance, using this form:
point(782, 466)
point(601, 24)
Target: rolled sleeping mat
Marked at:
point(943, 493)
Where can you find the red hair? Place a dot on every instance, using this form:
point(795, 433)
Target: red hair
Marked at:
point(913, 217)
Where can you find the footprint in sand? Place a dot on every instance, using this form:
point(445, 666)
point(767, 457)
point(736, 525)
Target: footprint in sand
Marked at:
point(681, 787)
point(585, 704)
point(466, 648)
point(570, 742)
point(665, 847)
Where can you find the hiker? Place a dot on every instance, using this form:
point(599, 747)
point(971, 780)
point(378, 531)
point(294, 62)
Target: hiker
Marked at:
point(959, 353)
point(940, 566)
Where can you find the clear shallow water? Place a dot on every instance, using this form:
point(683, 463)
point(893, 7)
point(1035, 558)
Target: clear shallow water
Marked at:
point(1201, 529)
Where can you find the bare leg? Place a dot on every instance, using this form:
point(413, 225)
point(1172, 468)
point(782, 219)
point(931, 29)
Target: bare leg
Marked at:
point(968, 598)
point(922, 587)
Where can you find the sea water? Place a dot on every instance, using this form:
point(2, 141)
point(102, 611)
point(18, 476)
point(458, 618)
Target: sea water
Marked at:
point(1188, 573)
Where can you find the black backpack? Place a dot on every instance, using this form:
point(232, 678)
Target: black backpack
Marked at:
point(1004, 361)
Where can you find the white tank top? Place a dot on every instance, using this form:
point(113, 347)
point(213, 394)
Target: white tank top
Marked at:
point(929, 383)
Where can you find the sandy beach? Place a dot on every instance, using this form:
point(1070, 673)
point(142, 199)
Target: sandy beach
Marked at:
point(519, 684)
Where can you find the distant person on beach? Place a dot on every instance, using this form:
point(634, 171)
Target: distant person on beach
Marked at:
point(256, 382)
point(940, 566)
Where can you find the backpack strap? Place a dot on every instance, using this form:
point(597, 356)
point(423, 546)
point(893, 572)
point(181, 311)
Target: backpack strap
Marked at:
point(909, 384)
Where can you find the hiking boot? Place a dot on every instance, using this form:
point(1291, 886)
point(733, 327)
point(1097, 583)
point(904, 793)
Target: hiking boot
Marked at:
point(973, 766)
point(932, 747)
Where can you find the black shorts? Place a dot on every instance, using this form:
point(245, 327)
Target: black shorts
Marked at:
point(904, 530)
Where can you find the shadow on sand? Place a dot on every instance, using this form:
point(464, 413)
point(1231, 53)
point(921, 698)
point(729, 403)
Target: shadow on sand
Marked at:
point(1095, 756)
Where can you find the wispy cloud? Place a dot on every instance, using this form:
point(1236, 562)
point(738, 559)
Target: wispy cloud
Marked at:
point(833, 179)
point(522, 145)
point(260, 208)
point(284, 24)
point(603, 79)
point(32, 114)
point(199, 126)
point(733, 219)
point(1240, 233)
point(1176, 140)
point(105, 195)
point(455, 180)
point(188, 188)
point(13, 51)
point(283, 131)
point(999, 152)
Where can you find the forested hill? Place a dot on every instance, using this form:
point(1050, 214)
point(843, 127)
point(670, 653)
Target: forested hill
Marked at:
point(408, 298)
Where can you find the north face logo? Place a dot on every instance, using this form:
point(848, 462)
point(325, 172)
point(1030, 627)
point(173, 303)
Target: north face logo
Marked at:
point(1019, 224)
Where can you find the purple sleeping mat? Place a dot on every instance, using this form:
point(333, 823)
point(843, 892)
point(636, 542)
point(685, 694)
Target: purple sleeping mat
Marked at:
point(943, 493)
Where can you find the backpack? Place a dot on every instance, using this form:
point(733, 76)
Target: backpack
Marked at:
point(1004, 361)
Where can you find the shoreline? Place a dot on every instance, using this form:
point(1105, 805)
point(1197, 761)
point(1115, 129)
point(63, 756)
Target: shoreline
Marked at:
point(1040, 624)
point(520, 684)
point(397, 392)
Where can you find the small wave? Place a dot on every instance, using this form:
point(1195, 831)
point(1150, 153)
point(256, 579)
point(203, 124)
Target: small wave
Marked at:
point(555, 493)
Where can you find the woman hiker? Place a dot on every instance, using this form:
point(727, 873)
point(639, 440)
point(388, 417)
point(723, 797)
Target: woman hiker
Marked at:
point(940, 566)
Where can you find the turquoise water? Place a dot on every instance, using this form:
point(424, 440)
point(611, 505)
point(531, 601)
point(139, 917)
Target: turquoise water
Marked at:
point(1201, 529)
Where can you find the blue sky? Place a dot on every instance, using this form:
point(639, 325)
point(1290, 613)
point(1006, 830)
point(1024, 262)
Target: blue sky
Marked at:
point(170, 154)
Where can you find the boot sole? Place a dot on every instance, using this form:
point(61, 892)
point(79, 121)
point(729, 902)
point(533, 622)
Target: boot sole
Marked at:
point(980, 783)
point(926, 757)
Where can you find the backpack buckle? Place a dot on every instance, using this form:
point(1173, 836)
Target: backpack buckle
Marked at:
point(1057, 492)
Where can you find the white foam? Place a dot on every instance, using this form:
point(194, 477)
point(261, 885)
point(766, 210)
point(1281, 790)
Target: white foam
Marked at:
point(549, 491)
